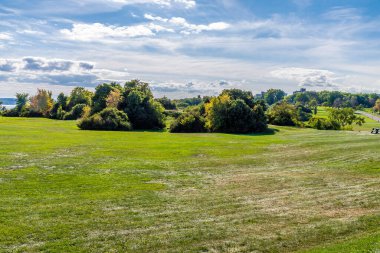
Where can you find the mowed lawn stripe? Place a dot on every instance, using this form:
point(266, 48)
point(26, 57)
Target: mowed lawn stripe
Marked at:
point(63, 189)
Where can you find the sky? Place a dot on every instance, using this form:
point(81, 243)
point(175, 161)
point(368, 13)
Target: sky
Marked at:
point(185, 48)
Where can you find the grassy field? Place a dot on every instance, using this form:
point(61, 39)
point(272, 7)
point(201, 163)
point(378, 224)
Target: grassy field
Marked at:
point(322, 112)
point(290, 190)
point(367, 126)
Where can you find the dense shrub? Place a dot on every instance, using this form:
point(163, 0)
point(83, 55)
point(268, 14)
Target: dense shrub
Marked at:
point(323, 124)
point(235, 111)
point(57, 112)
point(11, 113)
point(283, 114)
point(28, 113)
point(75, 113)
point(304, 113)
point(107, 119)
point(23, 112)
point(191, 121)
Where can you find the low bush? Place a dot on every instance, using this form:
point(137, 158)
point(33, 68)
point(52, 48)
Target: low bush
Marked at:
point(75, 113)
point(283, 114)
point(323, 124)
point(10, 113)
point(191, 121)
point(31, 114)
point(108, 119)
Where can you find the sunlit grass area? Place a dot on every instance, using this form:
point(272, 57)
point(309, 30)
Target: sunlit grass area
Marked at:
point(68, 190)
point(322, 112)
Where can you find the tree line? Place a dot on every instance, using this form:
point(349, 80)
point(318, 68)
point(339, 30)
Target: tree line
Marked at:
point(132, 106)
point(335, 99)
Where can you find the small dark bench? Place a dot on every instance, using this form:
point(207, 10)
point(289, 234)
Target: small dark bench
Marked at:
point(375, 131)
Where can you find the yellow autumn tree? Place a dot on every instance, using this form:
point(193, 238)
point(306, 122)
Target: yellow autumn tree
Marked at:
point(42, 102)
point(376, 108)
point(113, 98)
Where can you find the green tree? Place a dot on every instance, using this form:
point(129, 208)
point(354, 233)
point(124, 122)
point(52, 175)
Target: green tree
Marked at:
point(59, 107)
point(230, 113)
point(302, 98)
point(76, 112)
point(79, 95)
point(303, 113)
point(376, 108)
point(143, 111)
point(314, 105)
point(345, 117)
point(2, 108)
point(102, 92)
point(235, 94)
point(167, 103)
point(42, 102)
point(273, 96)
point(21, 101)
point(62, 100)
point(113, 98)
point(186, 102)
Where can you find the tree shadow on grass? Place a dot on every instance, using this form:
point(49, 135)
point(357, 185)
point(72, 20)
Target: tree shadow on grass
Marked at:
point(269, 131)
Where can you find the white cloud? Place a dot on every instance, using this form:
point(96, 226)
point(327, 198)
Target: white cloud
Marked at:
point(186, 27)
point(316, 78)
point(193, 28)
point(110, 33)
point(193, 87)
point(165, 3)
point(155, 18)
point(333, 53)
point(44, 71)
point(31, 32)
point(97, 31)
point(5, 36)
point(50, 8)
point(187, 4)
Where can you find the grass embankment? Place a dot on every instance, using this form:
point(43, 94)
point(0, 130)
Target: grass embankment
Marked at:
point(370, 110)
point(66, 190)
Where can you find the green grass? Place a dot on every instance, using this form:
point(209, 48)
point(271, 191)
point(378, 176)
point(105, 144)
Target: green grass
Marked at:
point(370, 110)
point(322, 112)
point(364, 243)
point(366, 127)
point(67, 190)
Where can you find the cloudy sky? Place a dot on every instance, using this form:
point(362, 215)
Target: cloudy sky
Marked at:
point(190, 47)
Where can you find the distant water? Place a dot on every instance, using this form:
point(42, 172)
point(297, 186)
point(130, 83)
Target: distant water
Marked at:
point(9, 106)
